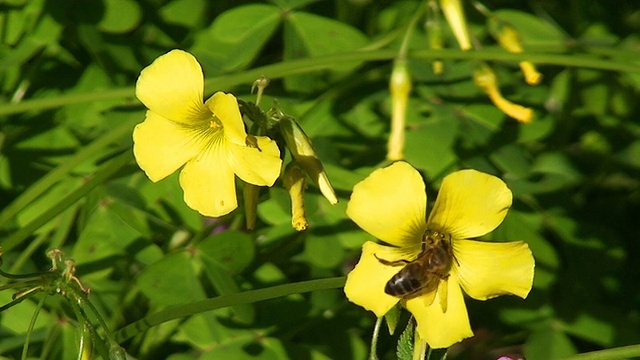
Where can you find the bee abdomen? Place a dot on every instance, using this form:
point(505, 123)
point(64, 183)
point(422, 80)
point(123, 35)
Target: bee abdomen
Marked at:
point(400, 285)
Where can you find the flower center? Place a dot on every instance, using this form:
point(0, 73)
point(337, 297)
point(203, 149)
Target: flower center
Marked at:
point(215, 124)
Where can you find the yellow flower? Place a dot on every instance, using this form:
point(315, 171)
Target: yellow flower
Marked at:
point(390, 204)
point(207, 139)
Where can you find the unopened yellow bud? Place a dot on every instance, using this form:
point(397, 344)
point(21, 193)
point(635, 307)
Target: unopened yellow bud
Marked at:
point(454, 13)
point(295, 181)
point(400, 87)
point(434, 33)
point(509, 38)
point(486, 80)
point(250, 192)
point(531, 75)
point(302, 151)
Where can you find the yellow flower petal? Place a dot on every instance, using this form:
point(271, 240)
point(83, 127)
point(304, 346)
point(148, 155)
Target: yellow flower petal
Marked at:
point(489, 269)
point(442, 329)
point(365, 284)
point(390, 204)
point(162, 146)
point(172, 87)
point(470, 204)
point(259, 166)
point(209, 182)
point(225, 108)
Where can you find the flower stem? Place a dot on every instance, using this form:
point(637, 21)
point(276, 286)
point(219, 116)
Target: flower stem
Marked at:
point(373, 351)
point(307, 65)
point(246, 297)
point(32, 323)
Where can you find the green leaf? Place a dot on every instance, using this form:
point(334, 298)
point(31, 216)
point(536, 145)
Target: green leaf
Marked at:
point(512, 160)
point(440, 134)
point(244, 348)
point(17, 318)
point(223, 254)
point(548, 343)
point(235, 37)
point(171, 281)
point(404, 348)
point(120, 16)
point(594, 326)
point(310, 35)
point(556, 163)
point(277, 210)
point(230, 249)
point(188, 13)
point(39, 206)
point(204, 330)
point(323, 251)
point(292, 4)
point(107, 234)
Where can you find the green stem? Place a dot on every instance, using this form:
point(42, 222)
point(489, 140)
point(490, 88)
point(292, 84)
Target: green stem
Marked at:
point(84, 325)
point(98, 178)
point(625, 352)
point(373, 350)
point(307, 65)
point(32, 323)
point(404, 46)
point(247, 297)
point(20, 285)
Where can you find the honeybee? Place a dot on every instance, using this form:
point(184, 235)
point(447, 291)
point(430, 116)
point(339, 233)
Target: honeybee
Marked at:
point(422, 274)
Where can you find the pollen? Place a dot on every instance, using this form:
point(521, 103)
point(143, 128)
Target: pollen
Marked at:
point(214, 124)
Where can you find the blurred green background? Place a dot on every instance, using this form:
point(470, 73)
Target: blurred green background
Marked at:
point(68, 178)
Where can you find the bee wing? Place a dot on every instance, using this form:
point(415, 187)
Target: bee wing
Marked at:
point(428, 297)
point(443, 288)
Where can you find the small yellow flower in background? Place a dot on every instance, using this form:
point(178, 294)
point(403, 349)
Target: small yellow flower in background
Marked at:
point(400, 88)
point(207, 139)
point(454, 13)
point(390, 204)
point(486, 80)
point(509, 38)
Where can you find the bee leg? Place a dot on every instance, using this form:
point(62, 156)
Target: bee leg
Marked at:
point(392, 263)
point(441, 275)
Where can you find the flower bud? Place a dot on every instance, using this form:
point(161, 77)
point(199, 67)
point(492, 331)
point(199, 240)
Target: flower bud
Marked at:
point(295, 181)
point(434, 33)
point(509, 38)
point(302, 151)
point(454, 13)
point(486, 80)
point(400, 87)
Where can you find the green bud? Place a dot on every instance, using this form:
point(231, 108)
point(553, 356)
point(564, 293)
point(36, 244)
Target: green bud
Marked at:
point(302, 151)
